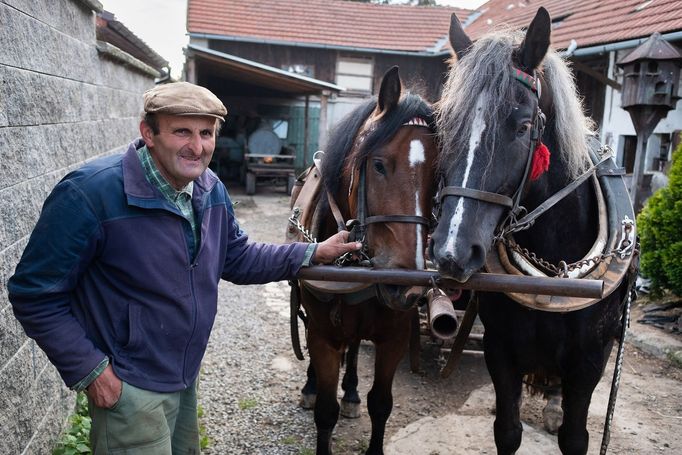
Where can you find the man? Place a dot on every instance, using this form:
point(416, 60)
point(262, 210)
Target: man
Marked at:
point(118, 283)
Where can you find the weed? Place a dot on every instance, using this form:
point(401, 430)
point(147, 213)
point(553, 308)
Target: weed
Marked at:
point(247, 403)
point(76, 439)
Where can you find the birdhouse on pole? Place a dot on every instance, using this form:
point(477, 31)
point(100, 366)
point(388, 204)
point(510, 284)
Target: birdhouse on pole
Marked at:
point(651, 77)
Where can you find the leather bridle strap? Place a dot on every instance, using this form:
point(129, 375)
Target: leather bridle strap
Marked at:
point(486, 196)
point(528, 220)
point(414, 219)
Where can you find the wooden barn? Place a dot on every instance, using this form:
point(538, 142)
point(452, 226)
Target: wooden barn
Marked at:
point(295, 67)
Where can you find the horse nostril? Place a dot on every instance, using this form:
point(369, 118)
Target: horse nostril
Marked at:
point(477, 258)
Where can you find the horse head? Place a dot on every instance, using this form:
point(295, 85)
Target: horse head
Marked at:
point(490, 122)
point(388, 183)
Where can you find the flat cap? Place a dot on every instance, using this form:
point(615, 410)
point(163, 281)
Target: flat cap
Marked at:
point(183, 98)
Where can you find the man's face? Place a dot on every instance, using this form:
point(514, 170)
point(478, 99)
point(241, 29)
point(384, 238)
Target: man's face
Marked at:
point(183, 148)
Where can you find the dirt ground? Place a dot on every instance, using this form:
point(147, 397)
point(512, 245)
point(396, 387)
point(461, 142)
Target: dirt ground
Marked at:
point(432, 415)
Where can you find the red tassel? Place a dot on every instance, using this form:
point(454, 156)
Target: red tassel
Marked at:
point(540, 162)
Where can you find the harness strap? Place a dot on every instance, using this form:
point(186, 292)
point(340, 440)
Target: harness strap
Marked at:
point(414, 219)
point(340, 224)
point(528, 220)
point(493, 198)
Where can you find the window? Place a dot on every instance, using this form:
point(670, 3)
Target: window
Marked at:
point(355, 74)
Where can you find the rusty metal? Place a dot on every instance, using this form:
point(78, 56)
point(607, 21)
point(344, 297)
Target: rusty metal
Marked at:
point(492, 282)
point(442, 317)
point(457, 348)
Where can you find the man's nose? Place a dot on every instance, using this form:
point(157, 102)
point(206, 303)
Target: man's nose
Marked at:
point(195, 143)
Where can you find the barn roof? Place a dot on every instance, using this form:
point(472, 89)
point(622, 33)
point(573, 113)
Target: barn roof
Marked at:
point(325, 23)
point(588, 22)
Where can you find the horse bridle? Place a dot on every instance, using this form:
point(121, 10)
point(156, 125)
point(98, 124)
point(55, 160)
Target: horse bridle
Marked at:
point(512, 204)
point(358, 226)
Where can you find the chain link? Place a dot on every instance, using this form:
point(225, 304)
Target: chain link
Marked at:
point(293, 220)
point(358, 258)
point(562, 269)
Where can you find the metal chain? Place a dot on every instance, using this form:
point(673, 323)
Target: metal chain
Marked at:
point(293, 220)
point(360, 258)
point(624, 248)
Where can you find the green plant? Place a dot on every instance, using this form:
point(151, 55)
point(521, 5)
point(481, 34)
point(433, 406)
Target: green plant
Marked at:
point(204, 440)
point(75, 440)
point(660, 230)
point(247, 403)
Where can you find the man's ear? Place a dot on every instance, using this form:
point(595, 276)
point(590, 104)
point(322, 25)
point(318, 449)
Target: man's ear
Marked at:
point(147, 133)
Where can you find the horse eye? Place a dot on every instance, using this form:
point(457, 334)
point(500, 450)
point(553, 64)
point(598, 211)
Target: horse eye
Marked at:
point(523, 129)
point(379, 167)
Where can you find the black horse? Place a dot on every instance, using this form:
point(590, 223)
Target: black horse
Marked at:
point(510, 107)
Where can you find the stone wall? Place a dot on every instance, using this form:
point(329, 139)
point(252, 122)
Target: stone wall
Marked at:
point(63, 100)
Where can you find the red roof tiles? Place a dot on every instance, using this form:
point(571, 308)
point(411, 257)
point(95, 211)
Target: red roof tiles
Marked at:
point(588, 22)
point(424, 29)
point(325, 22)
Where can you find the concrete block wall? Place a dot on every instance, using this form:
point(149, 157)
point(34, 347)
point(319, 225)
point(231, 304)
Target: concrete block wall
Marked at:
point(61, 103)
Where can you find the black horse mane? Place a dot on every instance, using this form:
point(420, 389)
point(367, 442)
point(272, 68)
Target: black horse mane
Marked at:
point(343, 136)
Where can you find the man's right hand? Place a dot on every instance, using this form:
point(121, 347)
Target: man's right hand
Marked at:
point(105, 390)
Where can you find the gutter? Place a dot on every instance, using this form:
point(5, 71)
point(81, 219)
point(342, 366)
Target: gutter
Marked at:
point(604, 48)
point(244, 39)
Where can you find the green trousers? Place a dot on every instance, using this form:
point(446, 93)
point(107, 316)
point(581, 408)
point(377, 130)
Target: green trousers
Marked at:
point(146, 423)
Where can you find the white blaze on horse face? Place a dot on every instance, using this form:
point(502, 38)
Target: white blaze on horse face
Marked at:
point(416, 158)
point(416, 152)
point(477, 129)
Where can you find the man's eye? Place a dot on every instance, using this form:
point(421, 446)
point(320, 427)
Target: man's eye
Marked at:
point(207, 133)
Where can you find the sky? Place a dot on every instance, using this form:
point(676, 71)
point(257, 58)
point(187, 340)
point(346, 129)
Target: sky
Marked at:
point(161, 24)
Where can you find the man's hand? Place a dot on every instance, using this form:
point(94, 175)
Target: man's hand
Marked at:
point(334, 247)
point(105, 390)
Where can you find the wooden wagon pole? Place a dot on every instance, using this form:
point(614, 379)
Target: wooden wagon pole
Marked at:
point(492, 282)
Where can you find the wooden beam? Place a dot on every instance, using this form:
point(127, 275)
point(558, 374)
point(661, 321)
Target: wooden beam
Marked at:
point(595, 74)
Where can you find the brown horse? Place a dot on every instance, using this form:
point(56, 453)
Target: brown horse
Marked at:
point(379, 169)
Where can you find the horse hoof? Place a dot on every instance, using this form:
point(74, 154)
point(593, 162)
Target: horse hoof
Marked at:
point(552, 416)
point(307, 401)
point(350, 410)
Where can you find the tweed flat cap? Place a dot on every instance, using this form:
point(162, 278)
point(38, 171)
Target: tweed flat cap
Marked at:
point(183, 98)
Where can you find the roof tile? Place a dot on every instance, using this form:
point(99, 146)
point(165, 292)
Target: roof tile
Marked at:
point(326, 22)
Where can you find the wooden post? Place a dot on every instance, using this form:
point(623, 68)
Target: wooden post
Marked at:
point(306, 126)
point(322, 136)
point(637, 185)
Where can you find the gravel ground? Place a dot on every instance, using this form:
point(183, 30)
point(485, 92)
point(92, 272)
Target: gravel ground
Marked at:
point(254, 412)
point(250, 382)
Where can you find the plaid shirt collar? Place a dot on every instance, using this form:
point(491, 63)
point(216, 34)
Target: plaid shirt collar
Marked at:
point(159, 181)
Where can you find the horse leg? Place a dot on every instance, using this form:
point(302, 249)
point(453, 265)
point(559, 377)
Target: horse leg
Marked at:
point(309, 390)
point(552, 414)
point(507, 381)
point(578, 386)
point(326, 360)
point(350, 403)
point(380, 397)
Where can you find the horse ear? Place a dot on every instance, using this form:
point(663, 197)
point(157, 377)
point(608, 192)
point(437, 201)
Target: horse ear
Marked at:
point(389, 93)
point(536, 42)
point(459, 40)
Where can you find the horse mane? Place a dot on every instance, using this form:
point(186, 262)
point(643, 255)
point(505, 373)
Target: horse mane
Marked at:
point(343, 136)
point(484, 75)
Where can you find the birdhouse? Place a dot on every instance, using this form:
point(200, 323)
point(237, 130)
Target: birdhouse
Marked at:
point(651, 75)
